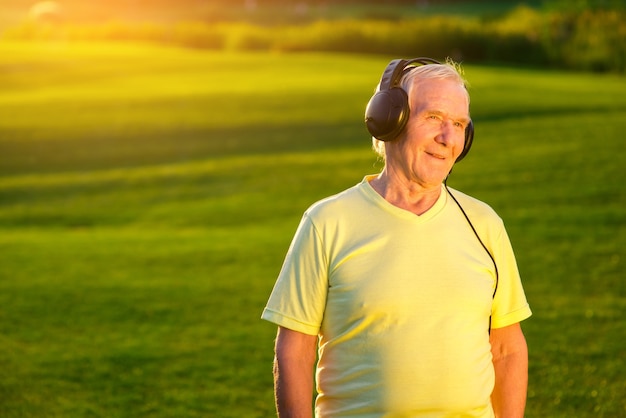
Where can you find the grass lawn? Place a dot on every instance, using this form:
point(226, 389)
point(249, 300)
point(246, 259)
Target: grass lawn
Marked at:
point(148, 196)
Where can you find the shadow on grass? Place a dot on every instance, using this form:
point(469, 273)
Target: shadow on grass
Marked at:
point(101, 152)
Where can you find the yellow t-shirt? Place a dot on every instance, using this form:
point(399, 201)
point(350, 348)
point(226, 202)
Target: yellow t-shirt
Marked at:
point(401, 304)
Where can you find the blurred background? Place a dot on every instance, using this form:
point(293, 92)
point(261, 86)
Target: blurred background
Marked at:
point(578, 34)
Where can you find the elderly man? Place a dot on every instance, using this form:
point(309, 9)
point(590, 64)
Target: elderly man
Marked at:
point(405, 291)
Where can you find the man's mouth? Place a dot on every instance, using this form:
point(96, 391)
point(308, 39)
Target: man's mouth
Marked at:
point(435, 155)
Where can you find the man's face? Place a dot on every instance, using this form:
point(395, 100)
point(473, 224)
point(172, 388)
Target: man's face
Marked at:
point(434, 135)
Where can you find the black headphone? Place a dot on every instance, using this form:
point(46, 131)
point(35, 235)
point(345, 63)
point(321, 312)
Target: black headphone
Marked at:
point(387, 112)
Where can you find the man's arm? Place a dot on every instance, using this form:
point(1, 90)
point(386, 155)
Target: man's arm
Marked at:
point(293, 373)
point(510, 360)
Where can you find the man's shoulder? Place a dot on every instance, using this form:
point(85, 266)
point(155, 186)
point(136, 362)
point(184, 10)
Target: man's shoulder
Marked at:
point(476, 207)
point(343, 202)
point(337, 201)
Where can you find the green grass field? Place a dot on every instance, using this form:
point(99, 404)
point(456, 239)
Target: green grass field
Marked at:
point(148, 196)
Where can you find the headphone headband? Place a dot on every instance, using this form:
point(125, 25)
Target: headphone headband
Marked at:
point(393, 73)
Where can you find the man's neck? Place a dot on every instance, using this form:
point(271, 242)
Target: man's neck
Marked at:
point(406, 195)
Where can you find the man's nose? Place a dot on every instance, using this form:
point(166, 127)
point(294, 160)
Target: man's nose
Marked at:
point(446, 133)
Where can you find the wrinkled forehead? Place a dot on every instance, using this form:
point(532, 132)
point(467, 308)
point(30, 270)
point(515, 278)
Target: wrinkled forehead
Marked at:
point(446, 96)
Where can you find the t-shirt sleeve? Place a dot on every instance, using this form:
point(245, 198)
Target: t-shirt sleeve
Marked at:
point(510, 305)
point(299, 296)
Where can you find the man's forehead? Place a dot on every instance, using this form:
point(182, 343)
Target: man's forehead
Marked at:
point(440, 92)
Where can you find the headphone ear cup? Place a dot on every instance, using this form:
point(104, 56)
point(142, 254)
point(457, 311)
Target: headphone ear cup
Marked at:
point(469, 138)
point(387, 113)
